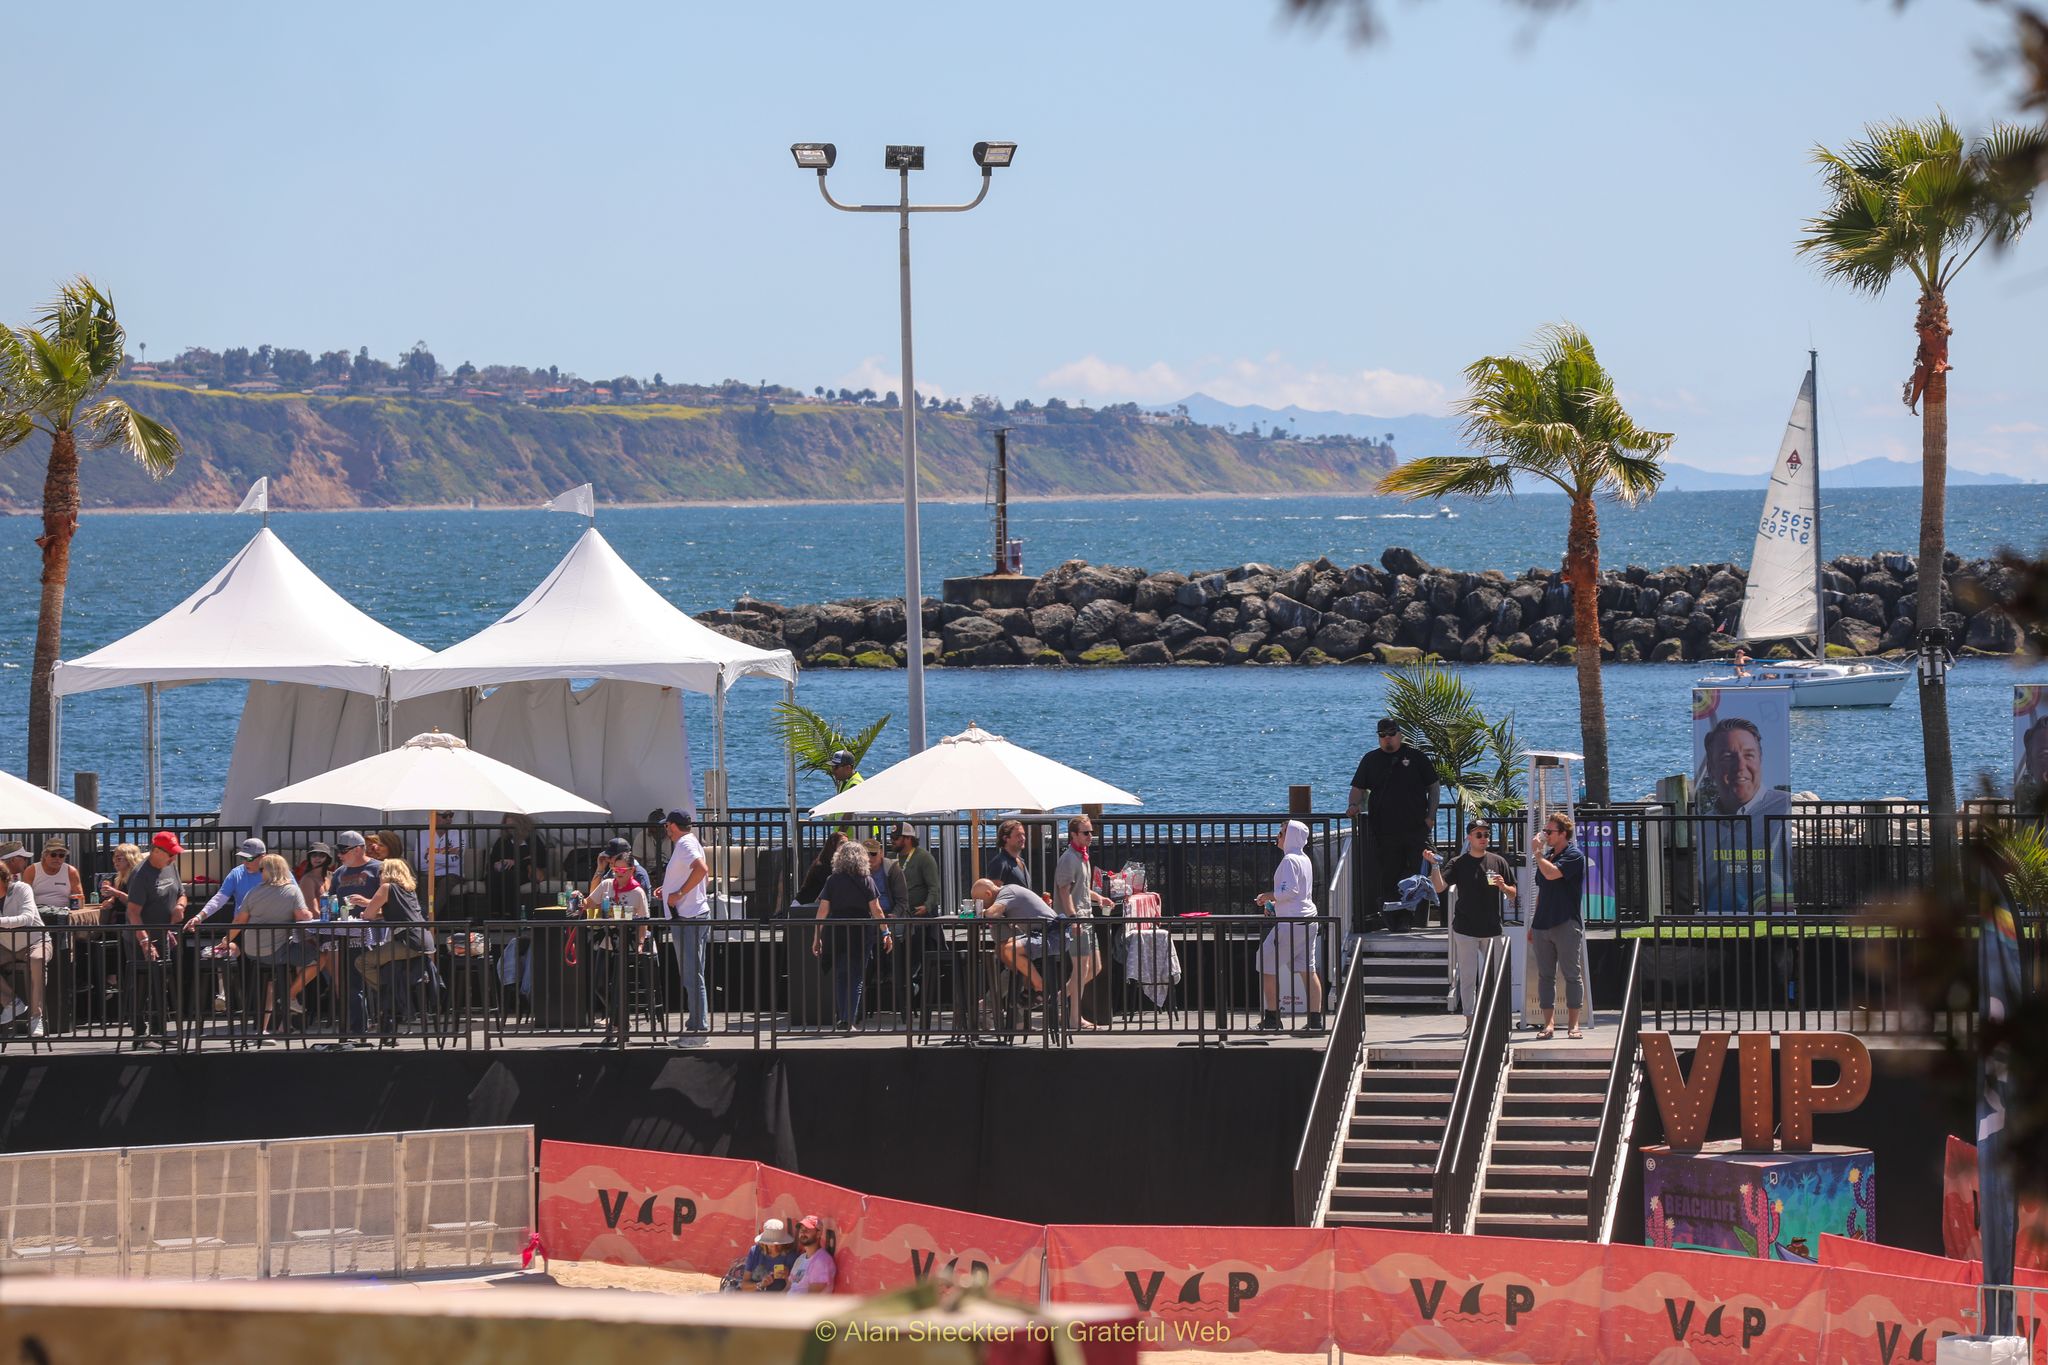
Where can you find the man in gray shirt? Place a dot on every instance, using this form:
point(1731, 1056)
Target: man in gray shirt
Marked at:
point(1075, 897)
point(1038, 934)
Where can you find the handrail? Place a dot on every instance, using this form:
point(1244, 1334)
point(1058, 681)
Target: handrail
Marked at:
point(1617, 1110)
point(1335, 1092)
point(1480, 1074)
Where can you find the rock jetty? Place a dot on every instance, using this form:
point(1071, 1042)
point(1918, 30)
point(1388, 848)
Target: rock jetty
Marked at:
point(1401, 611)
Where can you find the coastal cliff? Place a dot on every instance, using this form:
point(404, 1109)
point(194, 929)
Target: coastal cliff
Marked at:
point(1403, 610)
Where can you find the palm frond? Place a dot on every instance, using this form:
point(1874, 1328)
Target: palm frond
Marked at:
point(112, 422)
point(813, 739)
point(1439, 476)
point(1438, 713)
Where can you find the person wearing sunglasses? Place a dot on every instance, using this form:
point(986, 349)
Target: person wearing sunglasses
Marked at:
point(1556, 933)
point(1075, 897)
point(1482, 880)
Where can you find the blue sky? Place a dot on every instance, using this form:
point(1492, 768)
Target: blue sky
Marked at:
point(1208, 196)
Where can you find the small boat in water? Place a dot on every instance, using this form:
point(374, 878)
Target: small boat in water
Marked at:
point(1783, 600)
point(1444, 513)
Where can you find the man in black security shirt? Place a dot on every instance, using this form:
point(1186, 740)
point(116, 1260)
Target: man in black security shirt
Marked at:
point(1396, 783)
point(1482, 878)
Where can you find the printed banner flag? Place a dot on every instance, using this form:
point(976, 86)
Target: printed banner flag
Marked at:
point(791, 1197)
point(1467, 1298)
point(1851, 1253)
point(1888, 1318)
point(903, 1244)
point(2030, 745)
point(1597, 841)
point(1712, 1308)
point(629, 1207)
point(1742, 777)
point(1223, 1289)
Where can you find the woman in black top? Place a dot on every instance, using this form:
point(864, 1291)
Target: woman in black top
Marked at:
point(848, 896)
point(821, 868)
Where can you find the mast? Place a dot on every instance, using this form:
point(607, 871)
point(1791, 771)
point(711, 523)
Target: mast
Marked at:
point(1820, 600)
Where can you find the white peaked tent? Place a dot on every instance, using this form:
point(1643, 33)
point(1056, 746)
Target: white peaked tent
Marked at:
point(265, 617)
point(593, 617)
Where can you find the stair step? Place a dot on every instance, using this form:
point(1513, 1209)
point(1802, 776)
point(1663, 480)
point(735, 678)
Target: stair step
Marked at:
point(1425, 1124)
point(1402, 1102)
point(1425, 1169)
point(1503, 1147)
point(1416, 1222)
point(1531, 1225)
point(1520, 1178)
point(1397, 1201)
point(1532, 1201)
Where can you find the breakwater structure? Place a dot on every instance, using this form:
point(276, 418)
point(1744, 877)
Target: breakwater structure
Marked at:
point(1402, 611)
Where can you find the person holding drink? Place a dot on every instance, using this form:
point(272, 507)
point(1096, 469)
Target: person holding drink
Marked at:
point(1482, 880)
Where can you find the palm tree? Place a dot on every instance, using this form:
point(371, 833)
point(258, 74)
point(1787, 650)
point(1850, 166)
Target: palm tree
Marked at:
point(1916, 197)
point(814, 739)
point(53, 376)
point(1552, 415)
point(1475, 758)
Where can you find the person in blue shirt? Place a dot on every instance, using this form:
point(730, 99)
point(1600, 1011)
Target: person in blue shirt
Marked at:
point(1556, 933)
point(768, 1262)
point(234, 888)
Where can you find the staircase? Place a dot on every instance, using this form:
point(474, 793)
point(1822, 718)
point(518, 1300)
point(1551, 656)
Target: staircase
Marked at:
point(1386, 1165)
point(1408, 972)
point(1540, 1166)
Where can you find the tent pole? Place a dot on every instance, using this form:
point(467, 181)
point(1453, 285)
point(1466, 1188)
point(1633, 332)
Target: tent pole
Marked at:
point(149, 744)
point(384, 715)
point(433, 858)
point(974, 842)
point(789, 776)
point(719, 805)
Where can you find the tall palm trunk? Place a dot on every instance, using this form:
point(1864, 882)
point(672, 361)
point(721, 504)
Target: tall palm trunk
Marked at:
point(60, 522)
point(1582, 572)
point(1932, 368)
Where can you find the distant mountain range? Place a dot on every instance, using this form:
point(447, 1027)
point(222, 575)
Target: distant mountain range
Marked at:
point(1414, 437)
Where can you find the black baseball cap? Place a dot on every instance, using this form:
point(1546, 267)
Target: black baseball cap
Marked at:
point(1388, 726)
point(842, 759)
point(617, 848)
point(681, 819)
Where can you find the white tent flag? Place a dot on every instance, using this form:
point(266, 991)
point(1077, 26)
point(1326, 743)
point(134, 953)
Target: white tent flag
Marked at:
point(582, 500)
point(1782, 597)
point(257, 499)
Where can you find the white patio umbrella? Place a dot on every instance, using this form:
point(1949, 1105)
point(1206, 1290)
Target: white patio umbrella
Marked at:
point(25, 806)
point(974, 771)
point(434, 772)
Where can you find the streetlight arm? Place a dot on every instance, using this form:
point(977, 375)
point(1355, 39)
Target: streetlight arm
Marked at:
point(904, 208)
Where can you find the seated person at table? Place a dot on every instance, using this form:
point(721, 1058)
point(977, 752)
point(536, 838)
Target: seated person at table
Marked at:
point(314, 875)
point(626, 882)
point(262, 929)
point(517, 857)
point(24, 944)
point(766, 1267)
point(243, 878)
point(616, 852)
point(55, 881)
point(357, 876)
point(815, 1267)
point(1038, 927)
point(397, 905)
point(447, 848)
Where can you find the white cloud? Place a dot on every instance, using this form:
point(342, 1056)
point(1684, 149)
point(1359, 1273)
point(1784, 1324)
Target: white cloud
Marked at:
point(2015, 429)
point(872, 373)
point(1270, 380)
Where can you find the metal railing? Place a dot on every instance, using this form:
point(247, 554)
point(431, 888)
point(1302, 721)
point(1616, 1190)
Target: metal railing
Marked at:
point(1461, 1160)
point(1329, 1107)
point(1618, 1107)
point(385, 1203)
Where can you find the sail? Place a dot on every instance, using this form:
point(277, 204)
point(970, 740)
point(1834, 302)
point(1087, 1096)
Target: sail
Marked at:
point(1783, 598)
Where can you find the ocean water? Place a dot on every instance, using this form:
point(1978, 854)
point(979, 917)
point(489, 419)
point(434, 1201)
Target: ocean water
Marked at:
point(1183, 739)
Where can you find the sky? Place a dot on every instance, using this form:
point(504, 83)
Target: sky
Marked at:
point(1207, 196)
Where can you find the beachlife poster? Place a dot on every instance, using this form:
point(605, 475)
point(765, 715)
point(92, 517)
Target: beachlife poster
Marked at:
point(1742, 778)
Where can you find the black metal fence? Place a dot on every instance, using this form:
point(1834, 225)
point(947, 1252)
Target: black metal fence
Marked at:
point(621, 982)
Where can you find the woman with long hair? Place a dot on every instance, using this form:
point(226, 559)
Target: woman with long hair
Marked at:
point(848, 897)
point(270, 947)
point(396, 904)
point(114, 889)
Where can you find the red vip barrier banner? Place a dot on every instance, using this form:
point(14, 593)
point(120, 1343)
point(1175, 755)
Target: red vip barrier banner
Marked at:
point(1880, 1319)
point(1466, 1298)
point(1853, 1253)
point(1696, 1306)
point(1959, 1237)
point(631, 1207)
point(902, 1243)
point(1232, 1289)
point(780, 1194)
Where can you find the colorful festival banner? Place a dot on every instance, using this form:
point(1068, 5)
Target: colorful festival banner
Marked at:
point(1229, 1289)
point(1959, 1218)
point(789, 1197)
point(1696, 1306)
point(1597, 841)
point(1742, 775)
point(2029, 745)
point(903, 1244)
point(1466, 1298)
point(1887, 1318)
point(629, 1207)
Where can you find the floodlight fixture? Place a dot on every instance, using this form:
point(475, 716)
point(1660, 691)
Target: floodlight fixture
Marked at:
point(814, 156)
point(899, 158)
point(989, 155)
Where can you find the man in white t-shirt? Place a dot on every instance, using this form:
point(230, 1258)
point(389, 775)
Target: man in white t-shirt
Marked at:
point(683, 899)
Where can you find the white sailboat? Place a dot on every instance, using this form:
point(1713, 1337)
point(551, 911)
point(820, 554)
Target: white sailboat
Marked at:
point(1783, 599)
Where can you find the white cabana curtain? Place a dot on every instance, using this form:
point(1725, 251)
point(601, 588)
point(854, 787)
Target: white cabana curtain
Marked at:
point(621, 744)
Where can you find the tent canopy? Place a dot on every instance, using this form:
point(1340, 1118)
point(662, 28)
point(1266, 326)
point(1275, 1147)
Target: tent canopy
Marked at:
point(566, 628)
point(265, 617)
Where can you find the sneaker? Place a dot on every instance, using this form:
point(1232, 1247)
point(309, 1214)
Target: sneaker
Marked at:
point(1314, 1024)
point(13, 1010)
point(1269, 1022)
point(35, 1027)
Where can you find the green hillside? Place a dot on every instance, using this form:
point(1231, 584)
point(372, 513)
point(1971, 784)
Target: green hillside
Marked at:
point(394, 451)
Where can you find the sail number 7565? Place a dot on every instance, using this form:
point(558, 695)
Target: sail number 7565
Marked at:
point(1783, 524)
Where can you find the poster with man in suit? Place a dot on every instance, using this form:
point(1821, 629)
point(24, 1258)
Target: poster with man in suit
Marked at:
point(1742, 777)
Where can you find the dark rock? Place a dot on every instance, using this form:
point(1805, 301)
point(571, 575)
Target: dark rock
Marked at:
point(1157, 593)
point(1095, 623)
point(835, 618)
point(1834, 580)
point(1360, 606)
point(1667, 652)
point(1222, 620)
point(1476, 648)
point(994, 654)
point(1051, 624)
point(1148, 652)
point(1176, 631)
point(1727, 584)
point(1634, 630)
point(1384, 630)
point(949, 612)
point(1647, 601)
point(1135, 627)
point(1519, 645)
point(1557, 598)
point(1053, 585)
point(1898, 635)
point(1545, 652)
point(761, 607)
point(1207, 649)
point(1547, 630)
point(800, 629)
point(1401, 590)
point(825, 648)
point(931, 612)
point(1248, 609)
point(1440, 590)
point(1855, 566)
point(1992, 631)
point(1397, 559)
point(1854, 633)
point(1246, 643)
point(1482, 605)
point(1444, 637)
point(1415, 623)
point(1363, 578)
point(1323, 590)
point(1896, 564)
point(1250, 570)
point(1201, 592)
point(1289, 614)
point(885, 622)
point(1029, 647)
point(1397, 655)
point(1342, 638)
point(1866, 606)
point(1882, 585)
point(1294, 640)
point(969, 633)
point(1105, 582)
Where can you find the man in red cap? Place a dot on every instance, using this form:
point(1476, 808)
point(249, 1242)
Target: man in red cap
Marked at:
point(814, 1269)
point(156, 904)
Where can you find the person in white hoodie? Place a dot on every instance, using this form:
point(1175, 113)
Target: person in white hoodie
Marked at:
point(1291, 947)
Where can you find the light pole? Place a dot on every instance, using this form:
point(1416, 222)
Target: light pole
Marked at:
point(819, 157)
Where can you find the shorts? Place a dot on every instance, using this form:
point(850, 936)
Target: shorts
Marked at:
point(1292, 946)
point(300, 952)
point(1080, 940)
point(1043, 940)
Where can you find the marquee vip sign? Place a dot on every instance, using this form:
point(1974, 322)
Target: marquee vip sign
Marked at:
point(1754, 1198)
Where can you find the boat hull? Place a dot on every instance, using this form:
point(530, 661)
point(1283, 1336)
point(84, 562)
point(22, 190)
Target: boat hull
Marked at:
point(1824, 684)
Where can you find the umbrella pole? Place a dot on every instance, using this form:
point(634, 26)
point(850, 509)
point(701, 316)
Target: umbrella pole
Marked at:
point(974, 843)
point(433, 857)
